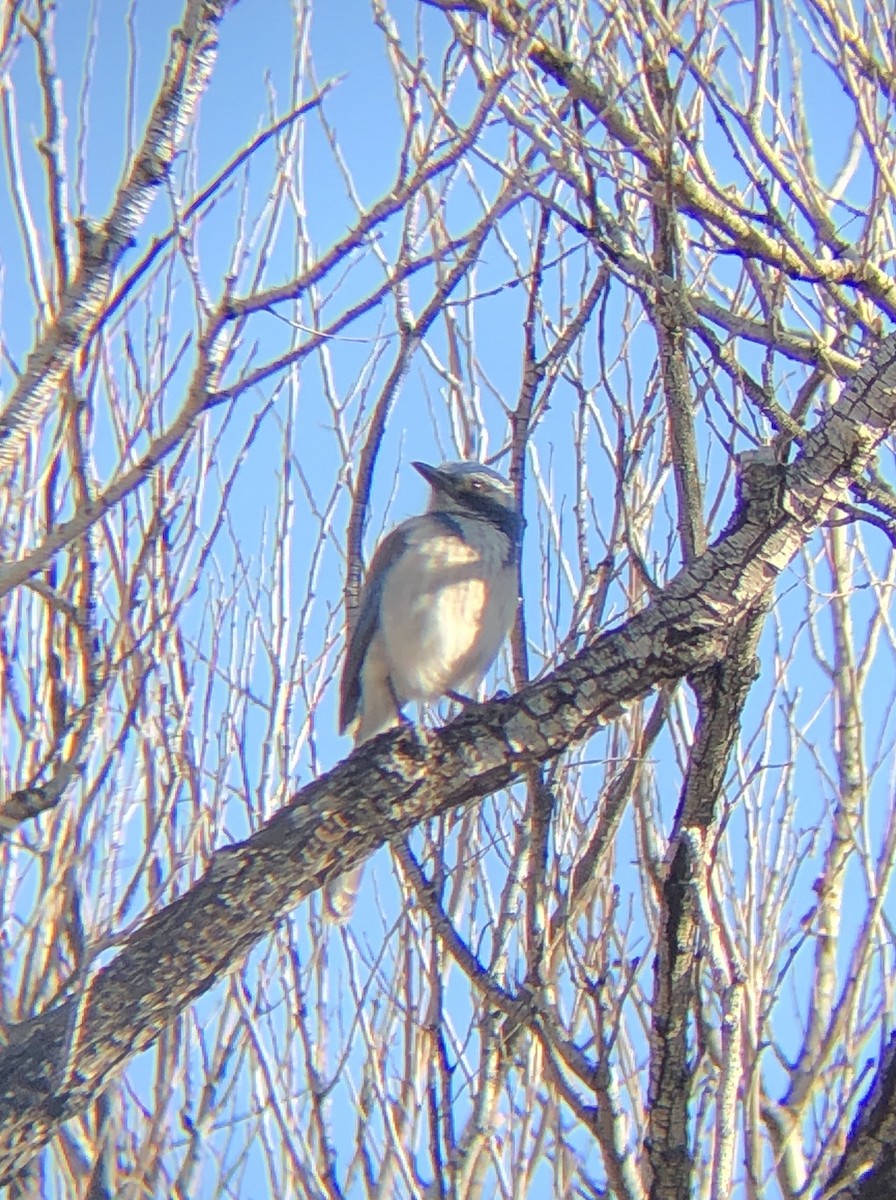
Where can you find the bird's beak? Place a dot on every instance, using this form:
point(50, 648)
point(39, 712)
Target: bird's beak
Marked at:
point(432, 475)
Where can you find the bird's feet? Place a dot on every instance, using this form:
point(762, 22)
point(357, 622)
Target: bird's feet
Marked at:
point(468, 701)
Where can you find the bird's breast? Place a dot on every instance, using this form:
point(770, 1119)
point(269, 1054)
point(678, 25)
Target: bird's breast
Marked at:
point(446, 609)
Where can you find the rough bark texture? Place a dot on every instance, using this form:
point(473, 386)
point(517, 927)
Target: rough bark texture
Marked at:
point(721, 691)
point(58, 1062)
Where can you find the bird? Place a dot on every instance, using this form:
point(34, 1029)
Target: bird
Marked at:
point(436, 605)
point(437, 602)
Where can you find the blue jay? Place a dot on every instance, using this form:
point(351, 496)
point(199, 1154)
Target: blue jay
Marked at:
point(437, 602)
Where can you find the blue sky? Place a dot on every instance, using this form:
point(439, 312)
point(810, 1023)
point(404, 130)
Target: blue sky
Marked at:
point(252, 85)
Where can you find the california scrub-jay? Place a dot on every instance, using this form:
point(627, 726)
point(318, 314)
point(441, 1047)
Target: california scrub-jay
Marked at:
point(436, 605)
point(437, 602)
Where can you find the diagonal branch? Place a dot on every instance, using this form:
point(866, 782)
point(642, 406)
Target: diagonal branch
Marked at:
point(193, 52)
point(867, 1170)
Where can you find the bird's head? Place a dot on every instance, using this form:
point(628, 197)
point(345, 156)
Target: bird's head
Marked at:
point(471, 489)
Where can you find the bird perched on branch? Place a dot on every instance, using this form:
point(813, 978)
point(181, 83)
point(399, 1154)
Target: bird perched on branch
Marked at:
point(436, 605)
point(437, 602)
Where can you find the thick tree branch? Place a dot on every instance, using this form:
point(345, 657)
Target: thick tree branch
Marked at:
point(721, 694)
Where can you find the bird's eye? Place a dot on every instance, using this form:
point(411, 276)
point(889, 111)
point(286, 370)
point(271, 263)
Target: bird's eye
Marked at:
point(477, 485)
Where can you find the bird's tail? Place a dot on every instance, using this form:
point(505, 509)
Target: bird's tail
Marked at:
point(341, 896)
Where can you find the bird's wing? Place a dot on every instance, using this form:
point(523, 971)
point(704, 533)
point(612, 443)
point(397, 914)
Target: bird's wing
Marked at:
point(390, 548)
